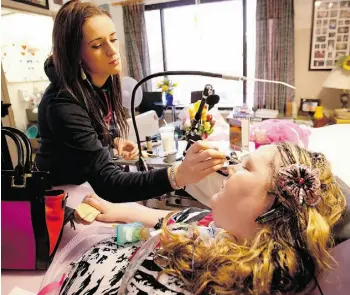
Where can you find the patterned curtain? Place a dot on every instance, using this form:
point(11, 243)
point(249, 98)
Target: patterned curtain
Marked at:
point(136, 43)
point(274, 53)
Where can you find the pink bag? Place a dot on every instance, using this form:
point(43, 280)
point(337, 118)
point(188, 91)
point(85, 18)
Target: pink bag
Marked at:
point(32, 216)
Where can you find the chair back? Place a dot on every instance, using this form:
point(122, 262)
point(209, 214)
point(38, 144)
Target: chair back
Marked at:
point(152, 101)
point(195, 96)
point(147, 125)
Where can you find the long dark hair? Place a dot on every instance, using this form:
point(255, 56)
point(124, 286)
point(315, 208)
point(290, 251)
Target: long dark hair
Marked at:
point(67, 37)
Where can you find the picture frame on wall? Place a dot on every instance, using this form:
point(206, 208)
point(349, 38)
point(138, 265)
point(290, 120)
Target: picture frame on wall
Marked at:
point(38, 3)
point(308, 106)
point(330, 33)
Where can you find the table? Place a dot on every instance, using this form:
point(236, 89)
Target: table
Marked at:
point(160, 163)
point(201, 191)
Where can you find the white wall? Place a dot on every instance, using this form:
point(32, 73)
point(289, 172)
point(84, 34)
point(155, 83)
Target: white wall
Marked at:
point(55, 7)
point(18, 105)
point(21, 34)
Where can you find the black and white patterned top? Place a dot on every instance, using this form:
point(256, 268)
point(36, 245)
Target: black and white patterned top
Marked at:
point(100, 270)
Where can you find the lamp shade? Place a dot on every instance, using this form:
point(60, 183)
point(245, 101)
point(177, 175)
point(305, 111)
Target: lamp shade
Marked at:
point(338, 78)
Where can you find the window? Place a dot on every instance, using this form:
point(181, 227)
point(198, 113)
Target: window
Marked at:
point(206, 37)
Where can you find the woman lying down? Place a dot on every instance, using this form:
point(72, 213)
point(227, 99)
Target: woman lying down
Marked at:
point(269, 232)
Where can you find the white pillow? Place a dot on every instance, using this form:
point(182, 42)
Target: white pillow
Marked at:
point(334, 142)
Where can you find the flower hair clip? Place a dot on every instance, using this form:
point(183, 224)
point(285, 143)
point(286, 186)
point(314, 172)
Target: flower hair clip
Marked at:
point(300, 182)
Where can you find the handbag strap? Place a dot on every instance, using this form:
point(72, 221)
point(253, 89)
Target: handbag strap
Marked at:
point(28, 163)
point(20, 156)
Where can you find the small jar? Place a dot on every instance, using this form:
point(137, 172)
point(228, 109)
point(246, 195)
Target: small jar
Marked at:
point(149, 144)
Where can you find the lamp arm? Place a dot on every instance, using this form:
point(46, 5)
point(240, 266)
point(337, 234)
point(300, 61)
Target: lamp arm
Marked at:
point(166, 73)
point(141, 163)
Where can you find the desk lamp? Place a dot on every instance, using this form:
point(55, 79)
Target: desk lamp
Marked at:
point(339, 78)
point(141, 164)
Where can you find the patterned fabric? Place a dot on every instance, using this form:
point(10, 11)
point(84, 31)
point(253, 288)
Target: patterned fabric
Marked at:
point(274, 53)
point(100, 270)
point(136, 43)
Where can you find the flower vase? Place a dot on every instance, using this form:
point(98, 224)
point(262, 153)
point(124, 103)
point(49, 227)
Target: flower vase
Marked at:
point(169, 99)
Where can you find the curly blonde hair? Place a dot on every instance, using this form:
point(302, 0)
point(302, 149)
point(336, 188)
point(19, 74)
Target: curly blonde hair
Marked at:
point(284, 257)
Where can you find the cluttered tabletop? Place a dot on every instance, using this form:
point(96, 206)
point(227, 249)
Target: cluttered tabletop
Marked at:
point(159, 159)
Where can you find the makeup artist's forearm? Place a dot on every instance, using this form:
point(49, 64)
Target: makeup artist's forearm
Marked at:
point(148, 216)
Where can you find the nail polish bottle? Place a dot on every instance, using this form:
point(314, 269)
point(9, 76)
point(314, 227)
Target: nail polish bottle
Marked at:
point(149, 144)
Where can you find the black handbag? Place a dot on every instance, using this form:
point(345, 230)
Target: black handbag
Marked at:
point(33, 215)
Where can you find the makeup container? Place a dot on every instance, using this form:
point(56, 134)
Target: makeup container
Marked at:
point(239, 120)
point(149, 145)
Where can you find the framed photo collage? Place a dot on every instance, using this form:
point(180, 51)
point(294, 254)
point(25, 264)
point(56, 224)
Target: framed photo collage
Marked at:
point(330, 38)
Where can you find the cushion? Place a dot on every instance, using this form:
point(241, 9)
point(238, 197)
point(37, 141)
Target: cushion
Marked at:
point(342, 228)
point(336, 280)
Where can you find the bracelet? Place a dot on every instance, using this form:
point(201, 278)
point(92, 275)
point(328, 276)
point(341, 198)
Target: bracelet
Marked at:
point(172, 178)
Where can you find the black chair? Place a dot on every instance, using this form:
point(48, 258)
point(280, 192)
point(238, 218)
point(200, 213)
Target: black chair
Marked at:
point(152, 101)
point(195, 96)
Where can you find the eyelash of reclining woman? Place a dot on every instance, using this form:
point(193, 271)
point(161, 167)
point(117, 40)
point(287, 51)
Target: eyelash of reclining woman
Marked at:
point(270, 234)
